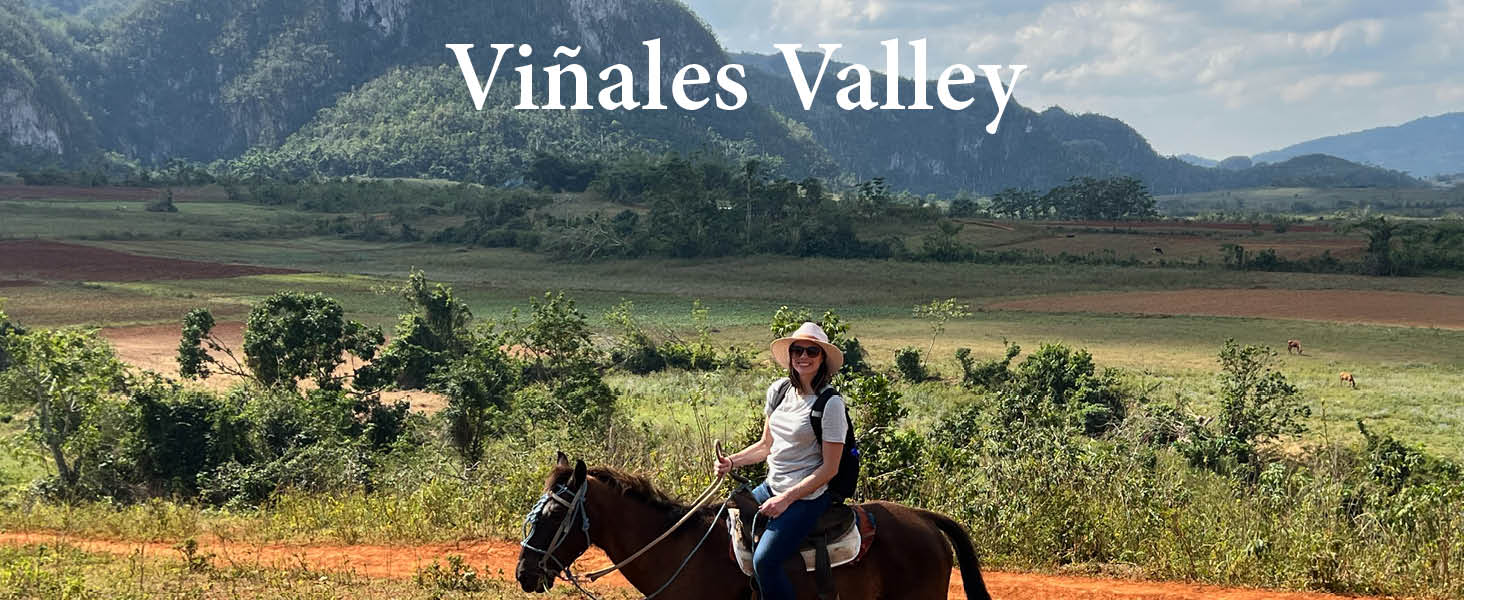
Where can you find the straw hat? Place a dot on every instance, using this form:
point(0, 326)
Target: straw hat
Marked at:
point(808, 332)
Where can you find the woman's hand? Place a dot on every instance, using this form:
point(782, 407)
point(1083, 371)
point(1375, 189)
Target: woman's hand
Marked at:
point(776, 505)
point(723, 465)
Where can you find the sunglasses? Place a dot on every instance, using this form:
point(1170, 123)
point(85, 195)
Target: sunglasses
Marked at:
point(810, 351)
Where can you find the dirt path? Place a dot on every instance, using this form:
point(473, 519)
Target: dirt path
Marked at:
point(500, 557)
point(1344, 306)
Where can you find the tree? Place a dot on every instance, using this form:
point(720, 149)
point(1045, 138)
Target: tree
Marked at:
point(63, 375)
point(432, 333)
point(480, 387)
point(289, 336)
point(193, 360)
point(963, 205)
point(938, 313)
point(1257, 406)
point(1378, 253)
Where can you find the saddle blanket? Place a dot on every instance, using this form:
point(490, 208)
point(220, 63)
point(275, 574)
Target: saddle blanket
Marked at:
point(850, 546)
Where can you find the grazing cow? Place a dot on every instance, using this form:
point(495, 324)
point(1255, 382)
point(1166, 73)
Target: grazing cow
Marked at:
point(1349, 377)
point(1293, 345)
point(1157, 250)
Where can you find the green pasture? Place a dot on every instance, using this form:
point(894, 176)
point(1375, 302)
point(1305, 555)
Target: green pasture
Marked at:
point(1411, 379)
point(105, 219)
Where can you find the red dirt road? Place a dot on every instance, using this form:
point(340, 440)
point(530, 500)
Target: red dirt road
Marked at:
point(1345, 306)
point(500, 557)
point(57, 261)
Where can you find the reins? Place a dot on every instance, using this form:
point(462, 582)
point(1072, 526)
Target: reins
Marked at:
point(575, 509)
point(702, 498)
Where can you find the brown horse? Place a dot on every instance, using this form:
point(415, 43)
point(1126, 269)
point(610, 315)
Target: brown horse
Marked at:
point(1293, 345)
point(620, 513)
point(1347, 377)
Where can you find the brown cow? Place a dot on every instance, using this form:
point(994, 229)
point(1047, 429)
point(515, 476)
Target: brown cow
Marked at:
point(1293, 345)
point(1349, 377)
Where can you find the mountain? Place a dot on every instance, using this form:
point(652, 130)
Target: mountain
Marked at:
point(213, 79)
point(40, 112)
point(1194, 159)
point(1423, 147)
point(367, 87)
point(946, 151)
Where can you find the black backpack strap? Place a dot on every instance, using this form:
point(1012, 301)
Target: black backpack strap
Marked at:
point(816, 416)
point(781, 393)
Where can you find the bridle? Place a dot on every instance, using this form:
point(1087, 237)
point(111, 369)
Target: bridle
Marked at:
point(576, 511)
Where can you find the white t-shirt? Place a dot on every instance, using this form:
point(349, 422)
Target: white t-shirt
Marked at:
point(795, 452)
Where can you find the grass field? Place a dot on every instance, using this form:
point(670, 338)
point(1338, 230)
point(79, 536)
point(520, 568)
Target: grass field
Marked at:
point(1411, 377)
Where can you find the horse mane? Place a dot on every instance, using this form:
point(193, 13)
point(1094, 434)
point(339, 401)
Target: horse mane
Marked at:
point(640, 489)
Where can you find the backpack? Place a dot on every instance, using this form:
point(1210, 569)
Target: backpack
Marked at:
point(843, 483)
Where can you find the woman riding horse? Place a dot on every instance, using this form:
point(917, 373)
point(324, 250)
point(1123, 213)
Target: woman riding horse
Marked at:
point(626, 516)
point(799, 467)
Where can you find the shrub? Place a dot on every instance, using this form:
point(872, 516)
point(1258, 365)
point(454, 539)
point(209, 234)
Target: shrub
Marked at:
point(432, 332)
point(295, 335)
point(909, 365)
point(1256, 406)
point(889, 456)
point(480, 388)
point(990, 375)
point(456, 576)
point(1066, 379)
point(162, 204)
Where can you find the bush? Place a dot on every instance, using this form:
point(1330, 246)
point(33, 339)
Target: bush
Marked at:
point(1066, 380)
point(909, 365)
point(162, 204)
point(293, 335)
point(990, 375)
point(889, 455)
point(480, 387)
point(182, 434)
point(432, 333)
point(1256, 407)
point(456, 576)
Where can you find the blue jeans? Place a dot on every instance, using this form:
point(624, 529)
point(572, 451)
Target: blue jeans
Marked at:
point(780, 541)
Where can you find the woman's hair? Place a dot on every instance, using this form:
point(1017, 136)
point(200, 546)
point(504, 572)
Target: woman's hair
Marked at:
point(819, 380)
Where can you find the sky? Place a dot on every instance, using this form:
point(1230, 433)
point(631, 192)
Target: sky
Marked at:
point(1214, 79)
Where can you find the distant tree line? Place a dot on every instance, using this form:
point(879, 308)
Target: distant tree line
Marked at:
point(1080, 199)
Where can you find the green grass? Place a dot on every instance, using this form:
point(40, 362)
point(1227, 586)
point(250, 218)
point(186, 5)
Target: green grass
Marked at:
point(120, 219)
point(1411, 378)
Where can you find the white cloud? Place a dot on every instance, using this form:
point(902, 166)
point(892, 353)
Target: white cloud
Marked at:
point(1242, 76)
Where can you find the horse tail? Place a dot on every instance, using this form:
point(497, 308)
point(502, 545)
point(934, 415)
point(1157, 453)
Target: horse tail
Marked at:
point(968, 560)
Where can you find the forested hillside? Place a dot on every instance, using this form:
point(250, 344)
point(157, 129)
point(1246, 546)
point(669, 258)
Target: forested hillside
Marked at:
point(366, 87)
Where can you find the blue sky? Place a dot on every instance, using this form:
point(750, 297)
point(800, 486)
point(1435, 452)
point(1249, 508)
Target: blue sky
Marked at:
point(1214, 79)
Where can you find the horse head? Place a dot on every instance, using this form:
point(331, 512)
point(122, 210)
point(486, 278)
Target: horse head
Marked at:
point(559, 527)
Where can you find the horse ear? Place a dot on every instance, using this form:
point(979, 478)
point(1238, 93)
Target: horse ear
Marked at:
point(562, 459)
point(580, 471)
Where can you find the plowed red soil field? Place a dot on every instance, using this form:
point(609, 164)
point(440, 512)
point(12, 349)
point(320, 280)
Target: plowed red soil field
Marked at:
point(57, 261)
point(500, 558)
point(1344, 306)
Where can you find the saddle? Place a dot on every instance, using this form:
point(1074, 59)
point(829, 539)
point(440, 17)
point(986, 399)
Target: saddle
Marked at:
point(842, 535)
